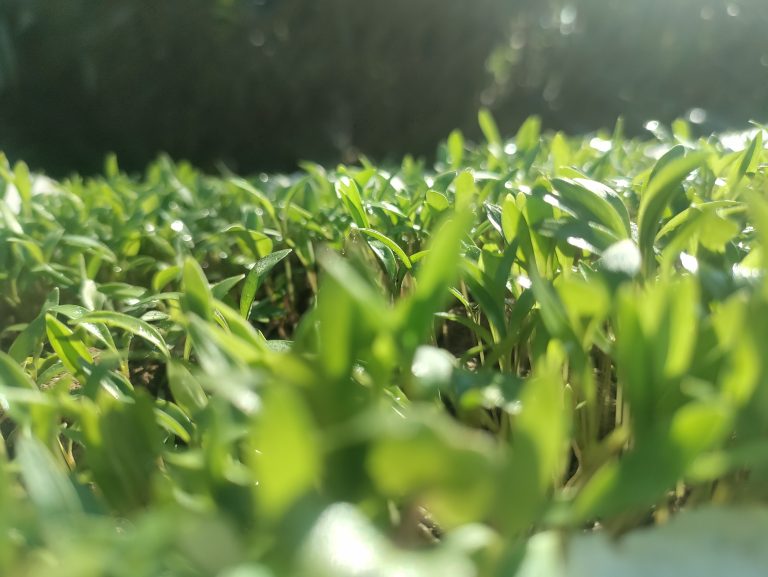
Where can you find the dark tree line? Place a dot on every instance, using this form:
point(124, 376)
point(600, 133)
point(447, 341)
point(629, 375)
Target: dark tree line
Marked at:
point(261, 84)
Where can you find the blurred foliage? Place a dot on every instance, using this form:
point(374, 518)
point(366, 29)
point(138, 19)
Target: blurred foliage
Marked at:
point(261, 84)
point(582, 63)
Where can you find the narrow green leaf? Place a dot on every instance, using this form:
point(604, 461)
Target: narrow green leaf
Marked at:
point(197, 294)
point(393, 246)
point(11, 222)
point(12, 375)
point(456, 149)
point(23, 181)
point(164, 276)
point(749, 160)
point(386, 258)
point(240, 326)
point(86, 242)
point(70, 350)
point(255, 277)
point(348, 191)
point(256, 194)
point(438, 271)
point(510, 218)
point(136, 327)
point(466, 190)
point(527, 138)
point(489, 128)
point(221, 289)
point(172, 419)
point(29, 341)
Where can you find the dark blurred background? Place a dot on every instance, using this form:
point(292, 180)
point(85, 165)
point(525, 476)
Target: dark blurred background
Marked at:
point(261, 84)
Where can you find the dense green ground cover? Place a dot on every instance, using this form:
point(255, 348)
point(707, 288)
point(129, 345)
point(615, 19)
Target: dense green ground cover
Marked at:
point(371, 371)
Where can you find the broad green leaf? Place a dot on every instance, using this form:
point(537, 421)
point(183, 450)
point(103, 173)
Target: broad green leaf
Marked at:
point(437, 200)
point(675, 153)
point(186, 390)
point(122, 443)
point(337, 316)
point(716, 231)
point(69, 348)
point(218, 349)
point(680, 320)
point(636, 481)
point(593, 200)
point(634, 356)
point(288, 460)
point(700, 426)
point(583, 299)
point(452, 472)
point(46, 483)
point(539, 445)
